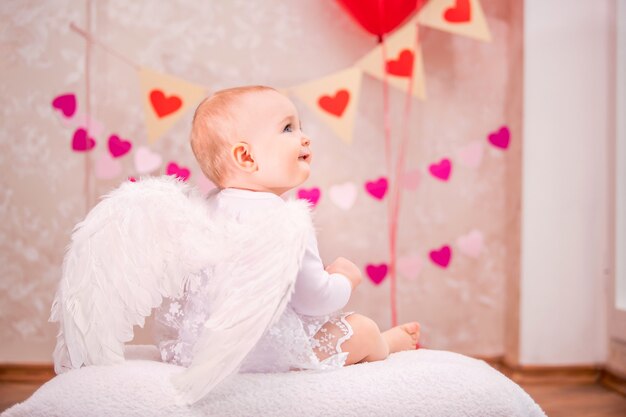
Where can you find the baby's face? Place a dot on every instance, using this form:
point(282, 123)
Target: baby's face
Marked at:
point(270, 124)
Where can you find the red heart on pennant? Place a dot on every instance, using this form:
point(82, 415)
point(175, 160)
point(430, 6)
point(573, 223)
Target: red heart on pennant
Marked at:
point(403, 65)
point(179, 172)
point(442, 256)
point(164, 105)
point(335, 105)
point(441, 170)
point(459, 13)
point(376, 272)
point(118, 147)
point(377, 188)
point(81, 142)
point(313, 195)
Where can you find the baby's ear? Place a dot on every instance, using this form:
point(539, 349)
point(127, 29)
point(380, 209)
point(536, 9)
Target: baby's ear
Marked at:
point(240, 152)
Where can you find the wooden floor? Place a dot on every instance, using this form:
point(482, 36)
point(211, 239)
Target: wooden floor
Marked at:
point(564, 400)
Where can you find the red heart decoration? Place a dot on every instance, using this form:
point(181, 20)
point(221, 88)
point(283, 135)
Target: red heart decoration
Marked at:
point(403, 65)
point(180, 172)
point(501, 138)
point(118, 147)
point(441, 170)
point(377, 188)
point(66, 103)
point(81, 142)
point(164, 105)
point(335, 105)
point(442, 256)
point(313, 195)
point(376, 272)
point(459, 13)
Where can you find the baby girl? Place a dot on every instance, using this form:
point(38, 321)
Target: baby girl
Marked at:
point(249, 142)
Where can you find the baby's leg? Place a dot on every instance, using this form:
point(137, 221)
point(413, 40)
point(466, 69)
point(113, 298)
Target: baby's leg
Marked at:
point(367, 344)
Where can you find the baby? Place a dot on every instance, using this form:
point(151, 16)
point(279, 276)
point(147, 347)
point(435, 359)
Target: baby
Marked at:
point(249, 142)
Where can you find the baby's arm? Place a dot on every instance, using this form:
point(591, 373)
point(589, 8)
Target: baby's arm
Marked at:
point(317, 291)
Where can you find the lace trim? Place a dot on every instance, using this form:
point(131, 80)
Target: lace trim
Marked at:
point(346, 336)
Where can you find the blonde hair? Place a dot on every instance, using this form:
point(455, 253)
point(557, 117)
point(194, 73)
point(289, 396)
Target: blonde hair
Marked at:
point(214, 126)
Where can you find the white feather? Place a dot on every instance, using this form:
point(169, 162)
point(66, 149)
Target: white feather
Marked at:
point(145, 241)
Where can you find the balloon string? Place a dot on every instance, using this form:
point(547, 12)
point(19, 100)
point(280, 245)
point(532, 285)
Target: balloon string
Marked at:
point(388, 155)
point(87, 178)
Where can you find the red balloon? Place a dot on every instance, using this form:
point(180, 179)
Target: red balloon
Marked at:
point(379, 17)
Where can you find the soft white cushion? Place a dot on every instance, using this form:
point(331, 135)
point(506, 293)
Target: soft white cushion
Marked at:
point(425, 383)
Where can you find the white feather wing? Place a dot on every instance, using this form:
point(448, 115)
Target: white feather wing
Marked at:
point(249, 295)
point(141, 243)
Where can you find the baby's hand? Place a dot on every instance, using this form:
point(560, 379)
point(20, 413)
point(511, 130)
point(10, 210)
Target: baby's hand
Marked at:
point(347, 268)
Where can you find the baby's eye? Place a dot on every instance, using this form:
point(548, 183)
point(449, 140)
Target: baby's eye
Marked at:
point(288, 128)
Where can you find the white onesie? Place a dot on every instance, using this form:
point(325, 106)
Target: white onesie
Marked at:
point(310, 332)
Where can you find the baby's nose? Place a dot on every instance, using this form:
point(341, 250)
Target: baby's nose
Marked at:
point(305, 141)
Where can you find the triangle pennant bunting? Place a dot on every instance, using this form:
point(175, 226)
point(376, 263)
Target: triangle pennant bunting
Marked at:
point(165, 99)
point(461, 17)
point(404, 59)
point(334, 99)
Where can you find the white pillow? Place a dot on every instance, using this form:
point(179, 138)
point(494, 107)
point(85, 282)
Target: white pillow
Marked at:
point(424, 383)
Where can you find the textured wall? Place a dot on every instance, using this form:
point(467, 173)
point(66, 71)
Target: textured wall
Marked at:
point(471, 92)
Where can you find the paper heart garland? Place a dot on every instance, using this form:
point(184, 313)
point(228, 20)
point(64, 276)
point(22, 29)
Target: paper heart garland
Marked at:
point(471, 155)
point(411, 179)
point(163, 105)
point(343, 195)
point(146, 161)
point(376, 273)
point(107, 167)
point(81, 142)
point(118, 147)
point(410, 266)
point(66, 104)
point(335, 105)
point(500, 138)
point(441, 257)
point(180, 172)
point(313, 195)
point(441, 170)
point(471, 244)
point(378, 188)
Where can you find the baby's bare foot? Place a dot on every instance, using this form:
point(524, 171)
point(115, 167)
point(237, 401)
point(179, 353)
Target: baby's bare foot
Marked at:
point(402, 337)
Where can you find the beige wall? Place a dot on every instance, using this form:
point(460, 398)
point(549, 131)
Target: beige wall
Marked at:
point(472, 87)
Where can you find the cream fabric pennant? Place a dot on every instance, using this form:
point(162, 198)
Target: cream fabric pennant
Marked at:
point(404, 58)
point(334, 98)
point(462, 17)
point(165, 99)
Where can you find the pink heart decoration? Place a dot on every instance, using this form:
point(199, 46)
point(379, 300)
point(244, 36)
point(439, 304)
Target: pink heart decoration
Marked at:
point(313, 195)
point(377, 188)
point(441, 170)
point(146, 161)
point(471, 244)
point(179, 172)
point(471, 155)
point(501, 138)
point(376, 272)
point(343, 195)
point(66, 103)
point(118, 147)
point(412, 179)
point(441, 257)
point(204, 184)
point(107, 167)
point(81, 142)
point(410, 266)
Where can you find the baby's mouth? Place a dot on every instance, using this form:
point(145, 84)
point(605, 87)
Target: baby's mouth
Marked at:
point(304, 157)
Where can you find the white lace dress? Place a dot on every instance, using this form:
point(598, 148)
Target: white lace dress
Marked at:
point(296, 341)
